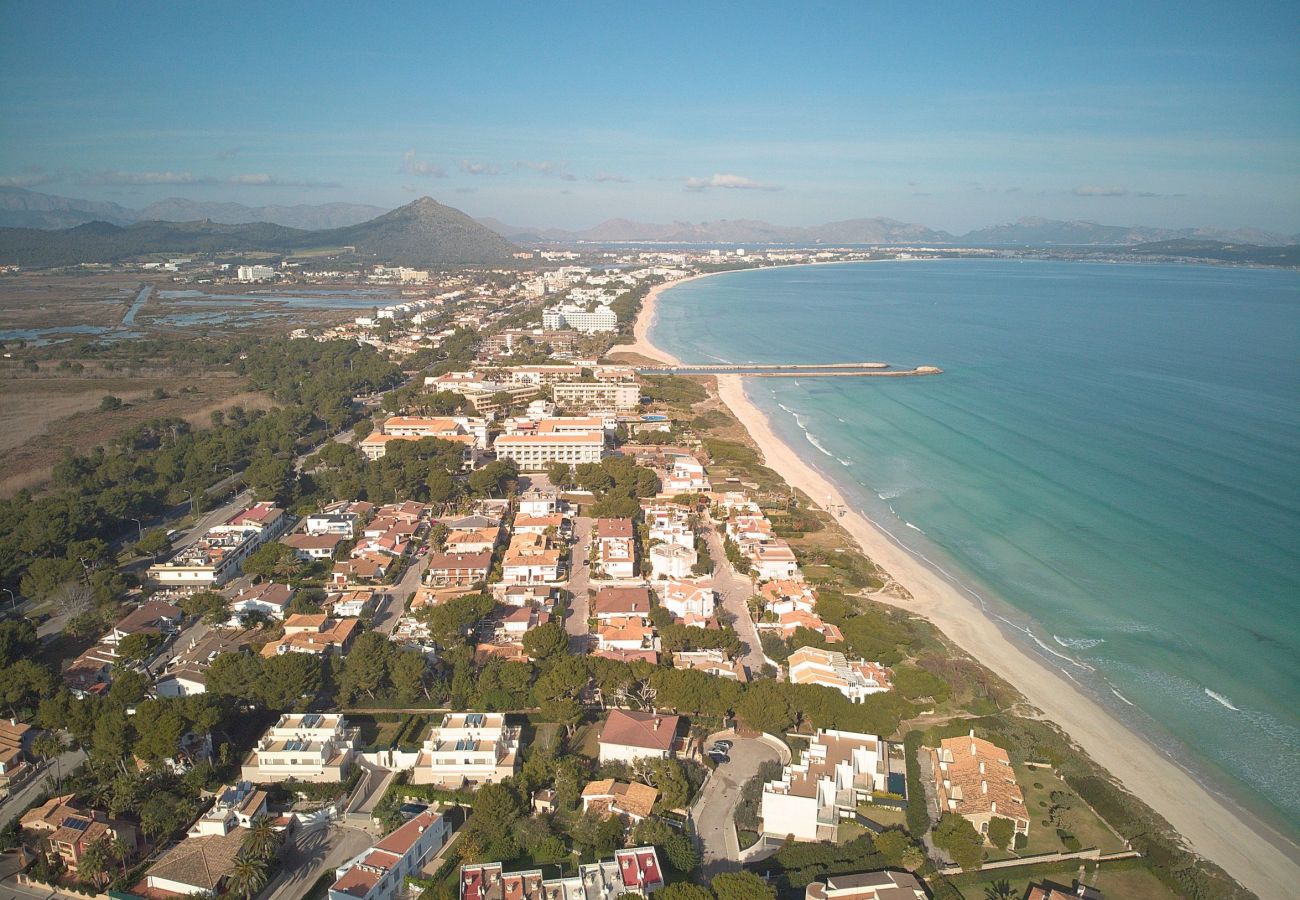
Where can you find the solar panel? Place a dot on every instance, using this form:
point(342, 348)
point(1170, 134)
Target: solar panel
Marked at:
point(311, 720)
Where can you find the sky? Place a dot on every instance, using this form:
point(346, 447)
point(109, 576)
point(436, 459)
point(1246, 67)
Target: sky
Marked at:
point(955, 116)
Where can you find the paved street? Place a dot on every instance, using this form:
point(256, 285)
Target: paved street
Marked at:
point(579, 579)
point(60, 767)
point(399, 596)
point(734, 591)
point(715, 807)
point(313, 852)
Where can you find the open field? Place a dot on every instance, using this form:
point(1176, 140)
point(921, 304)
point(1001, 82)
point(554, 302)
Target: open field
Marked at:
point(40, 301)
point(1125, 878)
point(46, 415)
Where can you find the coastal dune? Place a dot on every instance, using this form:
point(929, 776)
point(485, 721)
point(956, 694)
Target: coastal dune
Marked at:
point(1211, 827)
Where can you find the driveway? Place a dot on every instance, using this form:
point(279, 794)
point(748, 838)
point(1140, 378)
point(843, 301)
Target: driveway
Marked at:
point(579, 580)
point(715, 808)
point(313, 852)
point(734, 591)
point(61, 766)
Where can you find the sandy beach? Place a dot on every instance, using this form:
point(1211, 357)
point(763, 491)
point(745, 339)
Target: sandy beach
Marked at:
point(1259, 860)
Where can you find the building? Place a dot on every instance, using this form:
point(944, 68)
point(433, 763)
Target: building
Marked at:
point(974, 778)
point(472, 540)
point(310, 547)
point(597, 394)
point(15, 745)
point(155, 617)
point(868, 886)
point(248, 274)
point(537, 502)
point(1049, 891)
point(691, 603)
point(380, 872)
point(457, 569)
point(202, 862)
point(711, 662)
point(621, 603)
point(70, 828)
point(632, 802)
point(468, 749)
point(215, 558)
point(316, 747)
point(774, 560)
point(313, 633)
point(626, 633)
point(856, 679)
point(445, 427)
point(837, 771)
point(534, 452)
point(616, 548)
point(268, 599)
point(629, 735)
point(344, 524)
point(632, 872)
point(672, 561)
point(186, 673)
point(587, 321)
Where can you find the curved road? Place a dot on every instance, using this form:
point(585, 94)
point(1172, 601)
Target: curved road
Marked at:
point(715, 809)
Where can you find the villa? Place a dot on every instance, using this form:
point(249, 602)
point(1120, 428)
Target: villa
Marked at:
point(974, 778)
point(839, 770)
point(315, 747)
point(468, 749)
point(856, 679)
point(380, 872)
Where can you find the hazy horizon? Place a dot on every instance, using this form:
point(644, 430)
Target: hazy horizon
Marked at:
point(955, 120)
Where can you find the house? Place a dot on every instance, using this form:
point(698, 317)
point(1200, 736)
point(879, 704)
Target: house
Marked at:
point(868, 886)
point(685, 475)
point(672, 561)
point(711, 662)
point(15, 747)
point(540, 595)
point(468, 749)
point(625, 633)
point(790, 622)
point(537, 502)
point(632, 802)
point(627, 656)
point(269, 520)
point(974, 778)
point(1049, 891)
point(458, 569)
point(785, 595)
point(186, 673)
point(518, 622)
point(774, 560)
point(369, 568)
point(621, 603)
point(856, 679)
point(526, 524)
point(837, 771)
point(268, 599)
point(529, 560)
point(70, 828)
point(353, 604)
point(309, 547)
point(151, 617)
point(315, 633)
point(343, 524)
point(616, 542)
point(316, 747)
point(476, 540)
point(633, 872)
point(380, 872)
point(202, 862)
point(630, 735)
point(686, 600)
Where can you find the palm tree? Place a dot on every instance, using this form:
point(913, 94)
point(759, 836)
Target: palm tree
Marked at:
point(247, 877)
point(262, 840)
point(94, 861)
point(48, 745)
point(998, 890)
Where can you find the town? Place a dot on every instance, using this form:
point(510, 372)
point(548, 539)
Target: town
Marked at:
point(488, 609)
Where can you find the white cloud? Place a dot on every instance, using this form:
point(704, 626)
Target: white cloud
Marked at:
point(728, 182)
point(474, 167)
point(1095, 191)
point(422, 167)
point(608, 177)
point(254, 179)
point(31, 177)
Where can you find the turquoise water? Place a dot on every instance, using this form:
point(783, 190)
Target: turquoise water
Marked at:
point(1110, 462)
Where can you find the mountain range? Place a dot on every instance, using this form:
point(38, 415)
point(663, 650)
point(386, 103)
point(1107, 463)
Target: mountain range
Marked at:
point(422, 233)
point(21, 208)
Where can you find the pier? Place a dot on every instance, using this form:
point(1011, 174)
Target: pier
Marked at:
point(792, 370)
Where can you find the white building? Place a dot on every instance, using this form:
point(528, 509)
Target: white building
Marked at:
point(686, 600)
point(380, 872)
point(597, 394)
point(313, 747)
point(837, 771)
point(534, 452)
point(856, 679)
point(588, 321)
point(254, 273)
point(629, 735)
point(672, 561)
point(468, 749)
point(616, 548)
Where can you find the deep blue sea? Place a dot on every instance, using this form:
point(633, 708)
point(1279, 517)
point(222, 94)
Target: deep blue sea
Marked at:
point(1111, 461)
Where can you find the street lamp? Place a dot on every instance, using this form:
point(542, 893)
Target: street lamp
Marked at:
point(139, 526)
point(13, 601)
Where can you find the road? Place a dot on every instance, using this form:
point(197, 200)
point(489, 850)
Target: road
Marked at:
point(60, 767)
point(399, 595)
point(715, 808)
point(313, 852)
point(579, 578)
point(734, 591)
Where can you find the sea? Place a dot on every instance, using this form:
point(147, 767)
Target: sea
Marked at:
point(1110, 465)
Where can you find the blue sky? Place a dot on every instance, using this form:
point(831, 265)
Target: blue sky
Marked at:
point(567, 114)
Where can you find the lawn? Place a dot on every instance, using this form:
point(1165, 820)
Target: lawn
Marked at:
point(884, 815)
point(1126, 879)
point(374, 733)
point(586, 740)
point(1084, 823)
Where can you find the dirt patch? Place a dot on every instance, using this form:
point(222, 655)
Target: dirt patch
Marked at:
point(47, 416)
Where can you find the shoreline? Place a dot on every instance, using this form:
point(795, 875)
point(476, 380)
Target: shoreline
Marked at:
point(1252, 854)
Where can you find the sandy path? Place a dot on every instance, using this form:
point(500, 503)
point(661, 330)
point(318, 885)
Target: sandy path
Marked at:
point(1214, 829)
